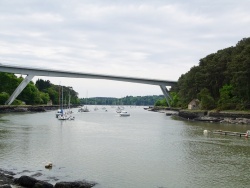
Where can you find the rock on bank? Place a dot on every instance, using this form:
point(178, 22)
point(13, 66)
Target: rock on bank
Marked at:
point(231, 117)
point(7, 181)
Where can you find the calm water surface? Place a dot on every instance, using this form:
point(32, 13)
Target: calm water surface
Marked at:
point(147, 149)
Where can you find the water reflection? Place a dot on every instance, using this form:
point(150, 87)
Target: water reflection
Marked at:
point(3, 144)
point(213, 160)
point(144, 150)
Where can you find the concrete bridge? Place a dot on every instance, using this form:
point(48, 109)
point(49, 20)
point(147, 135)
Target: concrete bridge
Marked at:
point(32, 71)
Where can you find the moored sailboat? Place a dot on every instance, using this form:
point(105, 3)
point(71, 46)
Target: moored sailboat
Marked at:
point(63, 114)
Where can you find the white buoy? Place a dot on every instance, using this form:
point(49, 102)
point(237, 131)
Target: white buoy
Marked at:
point(205, 132)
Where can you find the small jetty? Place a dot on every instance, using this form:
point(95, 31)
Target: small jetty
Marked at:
point(230, 133)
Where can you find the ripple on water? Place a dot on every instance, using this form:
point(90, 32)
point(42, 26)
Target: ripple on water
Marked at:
point(144, 150)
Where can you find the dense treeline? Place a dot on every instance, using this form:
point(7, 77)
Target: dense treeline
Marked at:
point(54, 91)
point(220, 81)
point(40, 93)
point(128, 100)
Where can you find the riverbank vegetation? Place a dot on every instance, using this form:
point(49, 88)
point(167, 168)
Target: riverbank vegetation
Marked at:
point(128, 100)
point(221, 81)
point(42, 92)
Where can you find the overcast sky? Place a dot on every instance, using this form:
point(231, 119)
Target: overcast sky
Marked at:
point(157, 39)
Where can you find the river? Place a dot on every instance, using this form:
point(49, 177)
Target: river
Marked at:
point(146, 149)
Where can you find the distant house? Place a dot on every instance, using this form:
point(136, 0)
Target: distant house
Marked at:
point(194, 104)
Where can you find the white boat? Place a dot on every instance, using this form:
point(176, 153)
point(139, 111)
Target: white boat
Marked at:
point(84, 109)
point(62, 117)
point(66, 117)
point(71, 118)
point(59, 112)
point(124, 113)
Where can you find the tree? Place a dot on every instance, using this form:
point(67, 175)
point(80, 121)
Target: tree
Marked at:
point(9, 82)
point(161, 102)
point(4, 97)
point(43, 85)
point(30, 94)
point(230, 66)
point(207, 101)
point(175, 99)
point(227, 99)
point(44, 97)
point(54, 95)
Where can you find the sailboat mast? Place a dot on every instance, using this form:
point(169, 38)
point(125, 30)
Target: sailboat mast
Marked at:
point(69, 100)
point(62, 98)
point(59, 104)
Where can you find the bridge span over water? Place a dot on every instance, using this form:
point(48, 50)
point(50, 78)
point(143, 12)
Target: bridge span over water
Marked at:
point(33, 71)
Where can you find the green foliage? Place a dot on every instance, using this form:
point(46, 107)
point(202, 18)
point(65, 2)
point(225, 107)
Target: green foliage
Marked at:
point(17, 102)
point(174, 102)
point(161, 102)
point(175, 99)
point(53, 94)
point(3, 97)
point(207, 101)
point(39, 93)
point(227, 99)
point(44, 98)
point(227, 67)
point(8, 82)
point(128, 100)
point(43, 85)
point(30, 95)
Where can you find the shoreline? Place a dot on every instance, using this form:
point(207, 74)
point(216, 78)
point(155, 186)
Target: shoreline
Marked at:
point(231, 117)
point(29, 108)
point(7, 180)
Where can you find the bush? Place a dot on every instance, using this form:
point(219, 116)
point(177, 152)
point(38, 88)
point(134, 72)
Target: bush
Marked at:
point(17, 102)
point(4, 97)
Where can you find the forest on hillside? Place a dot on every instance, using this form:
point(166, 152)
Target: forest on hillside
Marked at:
point(128, 100)
point(221, 80)
point(33, 94)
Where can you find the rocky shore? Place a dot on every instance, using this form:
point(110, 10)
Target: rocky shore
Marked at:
point(7, 180)
point(236, 117)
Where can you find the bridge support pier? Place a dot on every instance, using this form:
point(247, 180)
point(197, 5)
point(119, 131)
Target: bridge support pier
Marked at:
point(166, 94)
point(19, 89)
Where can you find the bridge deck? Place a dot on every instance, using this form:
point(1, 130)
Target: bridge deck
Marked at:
point(61, 73)
point(32, 71)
